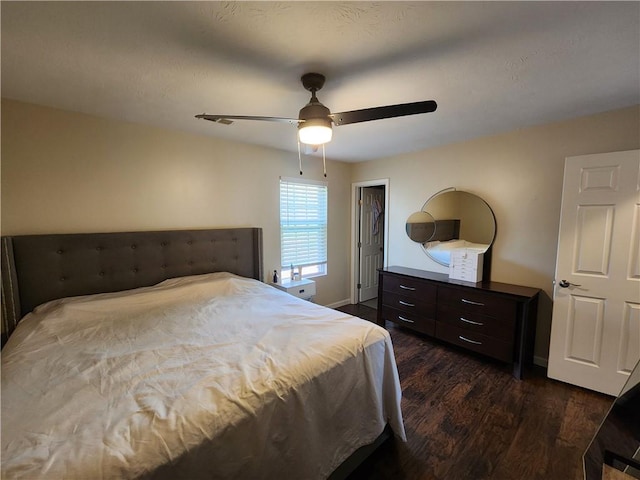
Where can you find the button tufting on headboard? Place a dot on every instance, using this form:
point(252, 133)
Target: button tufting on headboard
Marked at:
point(105, 262)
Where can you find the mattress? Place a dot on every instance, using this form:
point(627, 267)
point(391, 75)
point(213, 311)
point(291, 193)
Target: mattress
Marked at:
point(210, 376)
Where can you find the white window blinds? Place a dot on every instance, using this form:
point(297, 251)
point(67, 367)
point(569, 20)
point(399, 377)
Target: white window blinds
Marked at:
point(303, 223)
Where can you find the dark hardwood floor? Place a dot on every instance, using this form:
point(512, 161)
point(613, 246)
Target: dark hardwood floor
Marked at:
point(466, 417)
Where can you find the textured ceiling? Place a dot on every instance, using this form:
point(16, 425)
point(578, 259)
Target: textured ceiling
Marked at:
point(491, 66)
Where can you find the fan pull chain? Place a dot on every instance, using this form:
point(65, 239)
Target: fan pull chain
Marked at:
point(324, 162)
point(299, 158)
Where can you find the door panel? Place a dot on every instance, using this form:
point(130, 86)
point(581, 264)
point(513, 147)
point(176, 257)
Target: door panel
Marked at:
point(629, 338)
point(593, 239)
point(584, 338)
point(595, 330)
point(634, 253)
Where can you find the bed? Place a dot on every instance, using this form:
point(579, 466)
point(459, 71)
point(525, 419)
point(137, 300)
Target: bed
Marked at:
point(163, 355)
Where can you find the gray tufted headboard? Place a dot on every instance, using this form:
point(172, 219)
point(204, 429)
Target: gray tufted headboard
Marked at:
point(39, 268)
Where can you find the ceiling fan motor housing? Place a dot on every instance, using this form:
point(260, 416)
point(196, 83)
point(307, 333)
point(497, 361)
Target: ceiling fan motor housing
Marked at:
point(314, 125)
point(314, 111)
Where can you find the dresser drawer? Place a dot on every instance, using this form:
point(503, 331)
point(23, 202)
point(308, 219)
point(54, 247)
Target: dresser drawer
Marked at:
point(409, 304)
point(498, 327)
point(410, 287)
point(411, 320)
point(478, 302)
point(492, 347)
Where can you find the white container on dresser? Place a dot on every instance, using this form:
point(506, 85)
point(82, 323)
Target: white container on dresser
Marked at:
point(494, 319)
point(304, 288)
point(466, 264)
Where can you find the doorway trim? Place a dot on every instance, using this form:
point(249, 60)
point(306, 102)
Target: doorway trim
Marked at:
point(355, 226)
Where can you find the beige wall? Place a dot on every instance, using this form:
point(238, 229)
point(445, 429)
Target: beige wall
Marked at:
point(67, 172)
point(519, 174)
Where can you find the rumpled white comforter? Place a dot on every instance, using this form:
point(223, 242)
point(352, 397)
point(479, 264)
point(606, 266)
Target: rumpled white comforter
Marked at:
point(215, 375)
point(441, 251)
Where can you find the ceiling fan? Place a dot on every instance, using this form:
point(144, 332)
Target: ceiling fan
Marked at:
point(314, 120)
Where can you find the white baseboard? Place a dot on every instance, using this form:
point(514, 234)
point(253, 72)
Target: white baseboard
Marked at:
point(341, 303)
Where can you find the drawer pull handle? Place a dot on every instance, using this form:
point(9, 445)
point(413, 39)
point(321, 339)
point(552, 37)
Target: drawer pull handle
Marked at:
point(471, 321)
point(464, 300)
point(404, 287)
point(469, 341)
point(405, 319)
point(406, 304)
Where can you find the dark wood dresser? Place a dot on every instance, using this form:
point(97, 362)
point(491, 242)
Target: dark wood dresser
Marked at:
point(494, 319)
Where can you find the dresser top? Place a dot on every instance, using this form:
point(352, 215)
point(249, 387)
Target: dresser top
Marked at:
point(497, 287)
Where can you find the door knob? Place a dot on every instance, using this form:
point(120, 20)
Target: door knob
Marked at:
point(565, 284)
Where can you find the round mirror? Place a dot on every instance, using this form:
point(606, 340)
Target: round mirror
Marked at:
point(420, 227)
point(454, 219)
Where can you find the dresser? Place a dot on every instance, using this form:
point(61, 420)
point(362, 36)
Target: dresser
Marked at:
point(490, 318)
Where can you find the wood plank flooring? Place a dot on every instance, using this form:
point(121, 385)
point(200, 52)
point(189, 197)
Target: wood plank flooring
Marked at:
point(466, 417)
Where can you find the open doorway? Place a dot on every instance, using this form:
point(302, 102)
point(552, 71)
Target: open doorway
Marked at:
point(369, 239)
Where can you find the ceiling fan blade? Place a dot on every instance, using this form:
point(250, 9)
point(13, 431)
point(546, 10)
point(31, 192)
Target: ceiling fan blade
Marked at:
point(228, 119)
point(388, 111)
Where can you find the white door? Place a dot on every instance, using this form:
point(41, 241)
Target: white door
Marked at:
point(371, 243)
point(595, 331)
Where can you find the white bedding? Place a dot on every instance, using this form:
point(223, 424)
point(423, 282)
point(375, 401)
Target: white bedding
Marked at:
point(441, 251)
point(213, 375)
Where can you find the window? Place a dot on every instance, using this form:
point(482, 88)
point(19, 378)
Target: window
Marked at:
point(303, 227)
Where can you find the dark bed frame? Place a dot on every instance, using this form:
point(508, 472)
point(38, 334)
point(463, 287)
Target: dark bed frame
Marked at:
point(39, 268)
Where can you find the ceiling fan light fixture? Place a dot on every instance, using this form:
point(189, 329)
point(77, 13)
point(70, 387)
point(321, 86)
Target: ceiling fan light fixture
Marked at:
point(316, 131)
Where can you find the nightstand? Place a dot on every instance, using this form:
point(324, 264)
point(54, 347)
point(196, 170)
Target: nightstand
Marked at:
point(304, 288)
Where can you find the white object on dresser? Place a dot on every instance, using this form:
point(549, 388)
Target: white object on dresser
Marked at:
point(304, 288)
point(466, 264)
